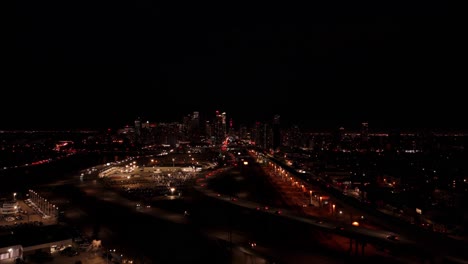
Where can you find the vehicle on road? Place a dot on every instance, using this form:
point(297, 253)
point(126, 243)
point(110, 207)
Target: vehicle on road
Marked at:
point(393, 237)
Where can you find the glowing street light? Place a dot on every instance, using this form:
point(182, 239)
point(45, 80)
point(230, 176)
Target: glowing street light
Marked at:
point(109, 254)
point(44, 207)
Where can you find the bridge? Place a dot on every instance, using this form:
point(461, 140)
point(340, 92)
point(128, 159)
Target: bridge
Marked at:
point(427, 246)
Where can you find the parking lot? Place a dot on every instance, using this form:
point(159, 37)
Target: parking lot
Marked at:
point(149, 179)
point(27, 213)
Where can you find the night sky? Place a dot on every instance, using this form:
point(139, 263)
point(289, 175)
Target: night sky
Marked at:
point(85, 65)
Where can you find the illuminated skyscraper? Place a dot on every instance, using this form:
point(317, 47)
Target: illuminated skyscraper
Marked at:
point(219, 126)
point(138, 131)
point(276, 132)
point(364, 135)
point(195, 126)
point(138, 126)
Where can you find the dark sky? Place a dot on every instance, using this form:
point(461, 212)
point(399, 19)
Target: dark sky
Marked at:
point(84, 65)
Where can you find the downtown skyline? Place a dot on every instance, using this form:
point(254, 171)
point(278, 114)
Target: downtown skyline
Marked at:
point(99, 121)
point(100, 65)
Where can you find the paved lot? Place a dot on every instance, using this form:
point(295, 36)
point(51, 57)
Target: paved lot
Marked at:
point(84, 257)
point(30, 215)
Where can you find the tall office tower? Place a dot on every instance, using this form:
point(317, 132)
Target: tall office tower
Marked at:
point(209, 132)
point(276, 132)
point(219, 126)
point(261, 135)
point(168, 134)
point(138, 126)
point(256, 134)
point(364, 135)
point(185, 128)
point(244, 133)
point(216, 128)
point(147, 132)
point(195, 127)
point(341, 134)
point(293, 137)
point(338, 139)
point(364, 131)
point(138, 131)
point(186, 120)
point(224, 123)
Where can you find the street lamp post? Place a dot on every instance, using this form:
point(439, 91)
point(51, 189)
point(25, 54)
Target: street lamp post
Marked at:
point(109, 251)
point(173, 162)
point(44, 210)
point(57, 213)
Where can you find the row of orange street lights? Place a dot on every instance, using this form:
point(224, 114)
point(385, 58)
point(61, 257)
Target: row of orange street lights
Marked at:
point(45, 206)
point(285, 176)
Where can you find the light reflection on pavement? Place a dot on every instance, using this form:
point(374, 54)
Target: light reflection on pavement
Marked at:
point(94, 189)
point(91, 188)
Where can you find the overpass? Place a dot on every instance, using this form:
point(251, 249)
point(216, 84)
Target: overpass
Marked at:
point(428, 247)
point(359, 236)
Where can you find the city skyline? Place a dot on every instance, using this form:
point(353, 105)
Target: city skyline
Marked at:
point(102, 65)
point(57, 120)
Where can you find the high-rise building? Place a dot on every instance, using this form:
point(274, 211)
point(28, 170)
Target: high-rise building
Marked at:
point(219, 126)
point(364, 135)
point(209, 132)
point(262, 135)
point(138, 126)
point(195, 127)
point(276, 132)
point(294, 137)
point(138, 131)
point(244, 133)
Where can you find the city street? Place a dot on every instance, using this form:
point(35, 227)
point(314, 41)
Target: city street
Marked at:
point(201, 227)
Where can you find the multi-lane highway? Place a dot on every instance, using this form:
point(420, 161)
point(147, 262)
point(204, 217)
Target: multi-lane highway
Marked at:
point(205, 235)
point(428, 245)
point(220, 221)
